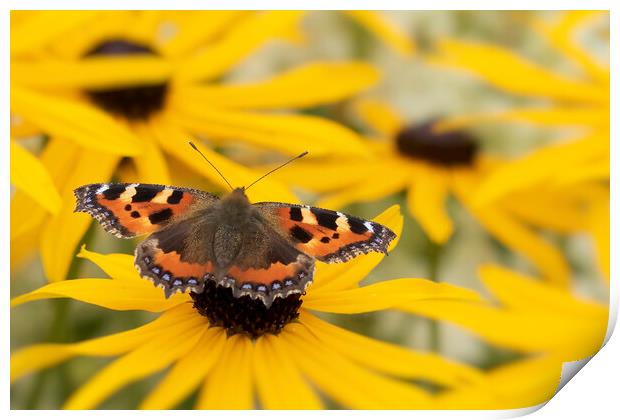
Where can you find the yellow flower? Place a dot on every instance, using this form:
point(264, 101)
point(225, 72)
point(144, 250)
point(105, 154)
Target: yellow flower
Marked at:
point(579, 100)
point(430, 166)
point(284, 370)
point(108, 84)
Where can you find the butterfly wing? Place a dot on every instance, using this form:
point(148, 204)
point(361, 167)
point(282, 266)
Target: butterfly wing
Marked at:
point(128, 210)
point(252, 260)
point(170, 260)
point(327, 235)
point(267, 265)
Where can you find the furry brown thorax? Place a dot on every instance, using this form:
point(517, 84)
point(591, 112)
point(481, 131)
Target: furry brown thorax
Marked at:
point(235, 207)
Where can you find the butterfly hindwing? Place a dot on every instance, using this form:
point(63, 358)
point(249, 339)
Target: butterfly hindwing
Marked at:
point(327, 235)
point(267, 265)
point(161, 259)
point(128, 210)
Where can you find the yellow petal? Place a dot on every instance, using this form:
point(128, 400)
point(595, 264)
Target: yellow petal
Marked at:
point(110, 24)
point(379, 25)
point(37, 357)
point(391, 359)
point(560, 211)
point(151, 164)
point(41, 356)
point(562, 35)
point(326, 174)
point(26, 215)
point(56, 253)
point(597, 117)
point(193, 29)
point(58, 157)
point(508, 71)
point(277, 376)
point(515, 235)
point(75, 121)
point(152, 356)
point(379, 116)
point(520, 384)
point(545, 256)
point(20, 128)
point(371, 189)
point(309, 85)
point(23, 248)
point(426, 199)
point(188, 372)
point(175, 142)
point(229, 386)
point(597, 171)
point(541, 166)
point(40, 27)
point(599, 220)
point(515, 290)
point(525, 331)
point(95, 73)
point(384, 295)
point(330, 277)
point(120, 295)
point(287, 133)
point(30, 175)
point(117, 266)
point(246, 36)
point(346, 382)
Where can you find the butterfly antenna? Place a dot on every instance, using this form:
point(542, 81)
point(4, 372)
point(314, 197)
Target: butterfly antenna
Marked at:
point(275, 169)
point(209, 162)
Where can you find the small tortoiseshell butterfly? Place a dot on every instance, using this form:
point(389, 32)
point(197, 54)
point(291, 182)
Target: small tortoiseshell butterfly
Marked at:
point(262, 250)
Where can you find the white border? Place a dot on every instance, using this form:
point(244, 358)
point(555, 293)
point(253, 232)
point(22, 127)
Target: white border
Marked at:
point(594, 393)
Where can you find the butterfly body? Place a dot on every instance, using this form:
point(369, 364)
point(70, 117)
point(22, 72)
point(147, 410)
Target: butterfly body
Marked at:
point(261, 250)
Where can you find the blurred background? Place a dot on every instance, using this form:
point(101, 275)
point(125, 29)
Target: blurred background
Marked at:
point(419, 91)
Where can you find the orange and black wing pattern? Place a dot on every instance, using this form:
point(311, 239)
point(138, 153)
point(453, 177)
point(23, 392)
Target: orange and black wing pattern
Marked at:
point(327, 235)
point(128, 210)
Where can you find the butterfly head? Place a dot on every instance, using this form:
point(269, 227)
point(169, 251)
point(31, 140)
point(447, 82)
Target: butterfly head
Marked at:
point(237, 195)
point(236, 206)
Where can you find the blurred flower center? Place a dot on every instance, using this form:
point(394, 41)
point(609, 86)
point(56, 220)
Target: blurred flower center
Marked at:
point(450, 148)
point(245, 315)
point(136, 102)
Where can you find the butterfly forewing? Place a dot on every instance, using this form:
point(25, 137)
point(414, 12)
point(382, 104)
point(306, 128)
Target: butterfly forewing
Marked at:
point(327, 235)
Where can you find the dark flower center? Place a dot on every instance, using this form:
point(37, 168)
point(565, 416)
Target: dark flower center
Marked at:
point(132, 102)
point(449, 148)
point(245, 315)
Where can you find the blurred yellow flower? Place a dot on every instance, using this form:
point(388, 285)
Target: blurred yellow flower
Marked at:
point(579, 100)
point(430, 166)
point(108, 84)
point(548, 326)
point(309, 355)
